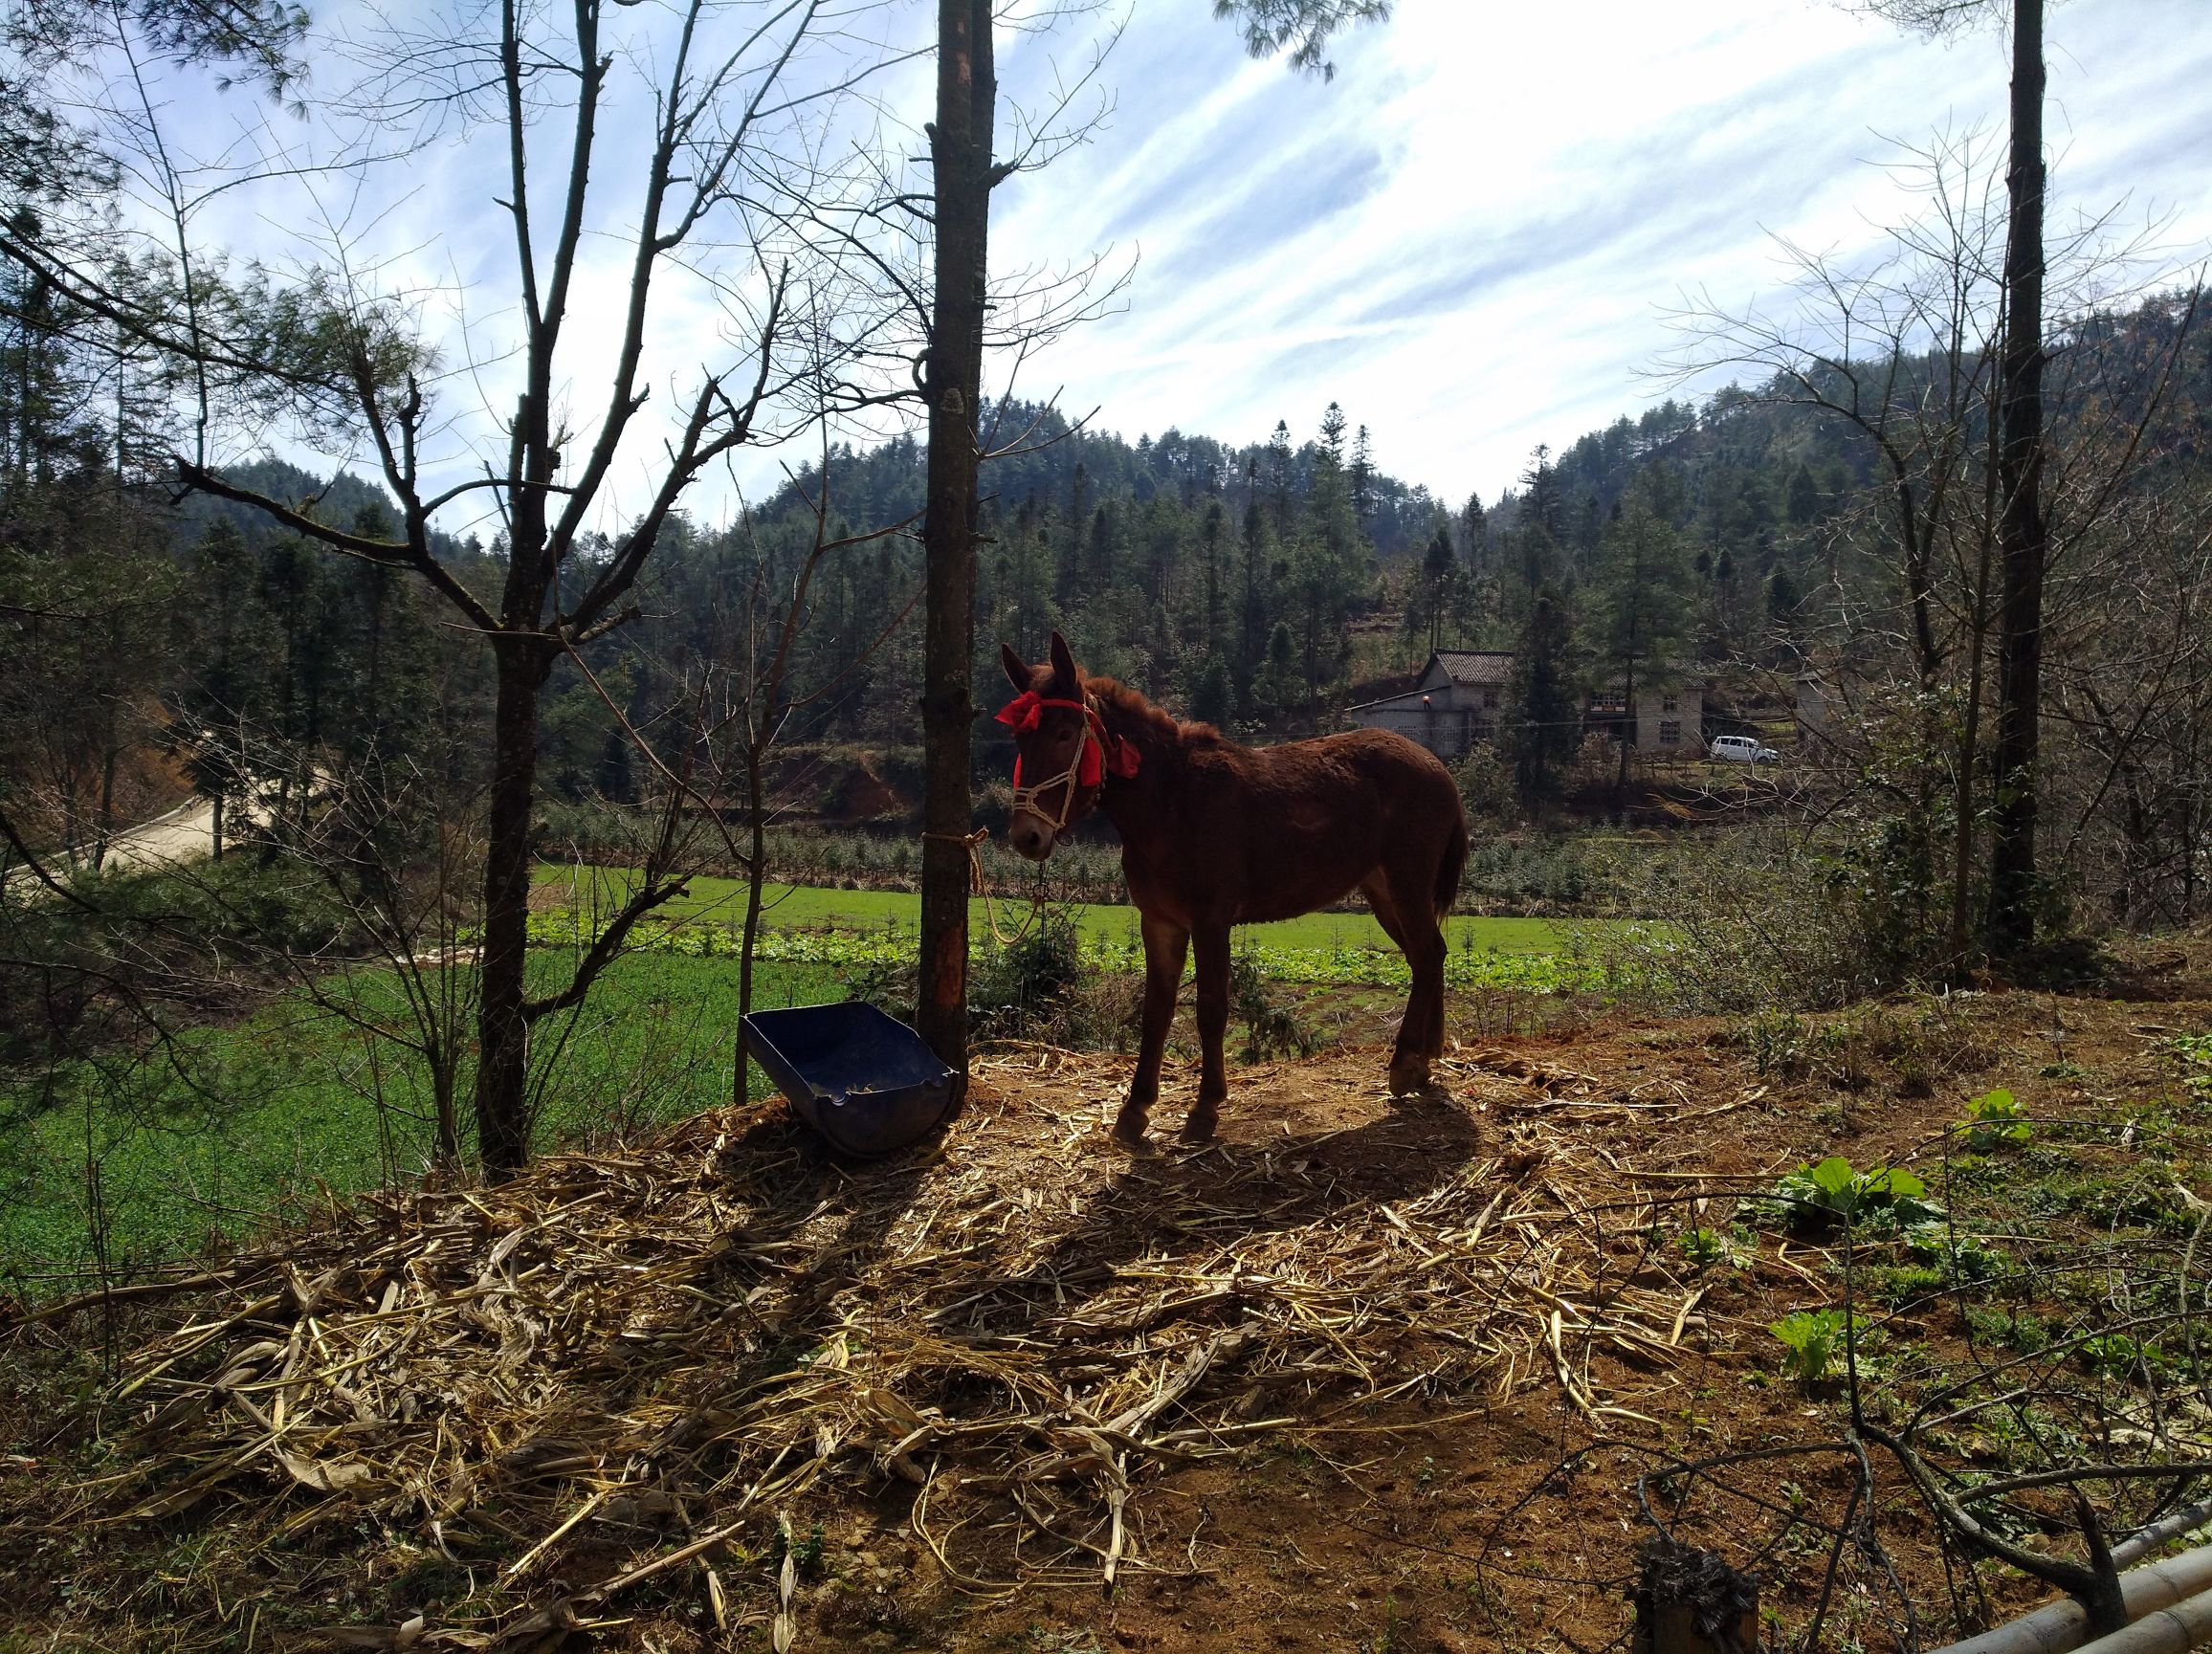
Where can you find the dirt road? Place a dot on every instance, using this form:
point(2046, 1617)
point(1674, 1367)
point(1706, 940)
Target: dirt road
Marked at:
point(184, 834)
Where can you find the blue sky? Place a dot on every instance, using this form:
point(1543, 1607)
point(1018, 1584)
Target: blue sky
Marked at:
point(1471, 237)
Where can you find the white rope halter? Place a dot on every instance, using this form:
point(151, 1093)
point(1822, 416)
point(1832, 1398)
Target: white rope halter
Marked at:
point(1026, 797)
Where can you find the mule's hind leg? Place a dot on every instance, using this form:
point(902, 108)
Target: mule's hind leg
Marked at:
point(1212, 944)
point(1403, 907)
point(1164, 948)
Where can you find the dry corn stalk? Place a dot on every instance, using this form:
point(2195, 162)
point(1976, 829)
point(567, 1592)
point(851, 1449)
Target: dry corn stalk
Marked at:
point(646, 1346)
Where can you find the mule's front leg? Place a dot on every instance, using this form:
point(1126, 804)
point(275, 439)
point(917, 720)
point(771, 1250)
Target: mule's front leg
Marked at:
point(1420, 1031)
point(1212, 1023)
point(1164, 947)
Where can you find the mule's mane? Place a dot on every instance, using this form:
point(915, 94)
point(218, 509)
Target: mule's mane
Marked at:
point(1138, 718)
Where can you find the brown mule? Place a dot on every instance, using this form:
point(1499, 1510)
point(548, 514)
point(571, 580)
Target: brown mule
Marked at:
point(1216, 834)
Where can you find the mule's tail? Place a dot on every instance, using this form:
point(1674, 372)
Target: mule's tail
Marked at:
point(1454, 864)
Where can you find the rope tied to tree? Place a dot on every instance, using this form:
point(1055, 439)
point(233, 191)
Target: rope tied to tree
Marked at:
point(978, 885)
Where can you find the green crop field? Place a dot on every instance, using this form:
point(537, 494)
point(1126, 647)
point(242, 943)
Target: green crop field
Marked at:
point(721, 903)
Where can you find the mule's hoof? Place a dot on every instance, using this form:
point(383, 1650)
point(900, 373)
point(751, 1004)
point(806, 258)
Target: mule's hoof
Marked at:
point(1137, 1147)
point(1409, 1076)
point(1198, 1128)
point(1129, 1134)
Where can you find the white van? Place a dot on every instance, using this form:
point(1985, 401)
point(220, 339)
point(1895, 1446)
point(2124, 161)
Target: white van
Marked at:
point(1742, 749)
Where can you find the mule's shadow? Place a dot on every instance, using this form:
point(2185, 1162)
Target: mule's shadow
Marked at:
point(1178, 1198)
point(1183, 1197)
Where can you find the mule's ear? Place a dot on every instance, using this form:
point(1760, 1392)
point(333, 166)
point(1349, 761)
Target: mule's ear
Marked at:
point(1063, 665)
point(1017, 674)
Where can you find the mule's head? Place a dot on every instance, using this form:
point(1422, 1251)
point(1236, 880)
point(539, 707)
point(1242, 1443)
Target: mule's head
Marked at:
point(1057, 757)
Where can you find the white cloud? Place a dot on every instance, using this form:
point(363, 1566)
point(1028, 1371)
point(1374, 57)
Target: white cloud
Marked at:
point(1469, 238)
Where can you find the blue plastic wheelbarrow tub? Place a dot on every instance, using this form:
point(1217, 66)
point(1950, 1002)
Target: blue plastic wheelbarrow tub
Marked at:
point(863, 1079)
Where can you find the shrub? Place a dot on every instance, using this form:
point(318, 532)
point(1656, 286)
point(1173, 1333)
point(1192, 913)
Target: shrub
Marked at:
point(1272, 1027)
point(1769, 926)
point(1033, 988)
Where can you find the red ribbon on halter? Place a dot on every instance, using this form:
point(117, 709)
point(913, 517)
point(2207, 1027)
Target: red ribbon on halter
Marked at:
point(1026, 709)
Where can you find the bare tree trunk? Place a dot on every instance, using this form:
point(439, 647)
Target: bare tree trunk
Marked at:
point(103, 824)
point(1969, 753)
point(502, 1027)
point(756, 874)
point(2022, 532)
point(961, 153)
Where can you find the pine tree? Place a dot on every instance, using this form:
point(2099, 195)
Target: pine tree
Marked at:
point(1332, 424)
point(1209, 539)
point(1278, 684)
point(1541, 527)
point(1438, 567)
point(1542, 726)
point(1545, 505)
point(1070, 581)
point(1252, 613)
point(221, 647)
point(1639, 604)
point(1474, 533)
point(1279, 476)
point(1212, 697)
point(1804, 496)
point(1782, 601)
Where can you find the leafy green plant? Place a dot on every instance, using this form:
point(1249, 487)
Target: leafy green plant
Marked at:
point(2016, 1330)
point(1964, 1260)
point(2110, 1355)
point(1705, 1248)
point(1702, 1247)
point(1995, 1120)
point(1898, 1285)
point(1812, 1338)
point(1879, 1198)
point(2195, 1053)
point(806, 1553)
point(1775, 1041)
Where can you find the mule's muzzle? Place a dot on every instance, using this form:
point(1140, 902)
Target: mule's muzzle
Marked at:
point(1031, 836)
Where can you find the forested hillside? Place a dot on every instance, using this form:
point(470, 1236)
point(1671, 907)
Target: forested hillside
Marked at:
point(166, 639)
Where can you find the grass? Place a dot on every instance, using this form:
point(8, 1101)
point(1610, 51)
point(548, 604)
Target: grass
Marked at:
point(240, 1127)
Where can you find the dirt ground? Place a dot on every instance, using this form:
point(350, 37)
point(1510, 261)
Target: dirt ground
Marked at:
point(1365, 1373)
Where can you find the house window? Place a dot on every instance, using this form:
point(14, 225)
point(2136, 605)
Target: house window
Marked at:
point(1485, 729)
point(1669, 703)
point(1490, 699)
point(1670, 732)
